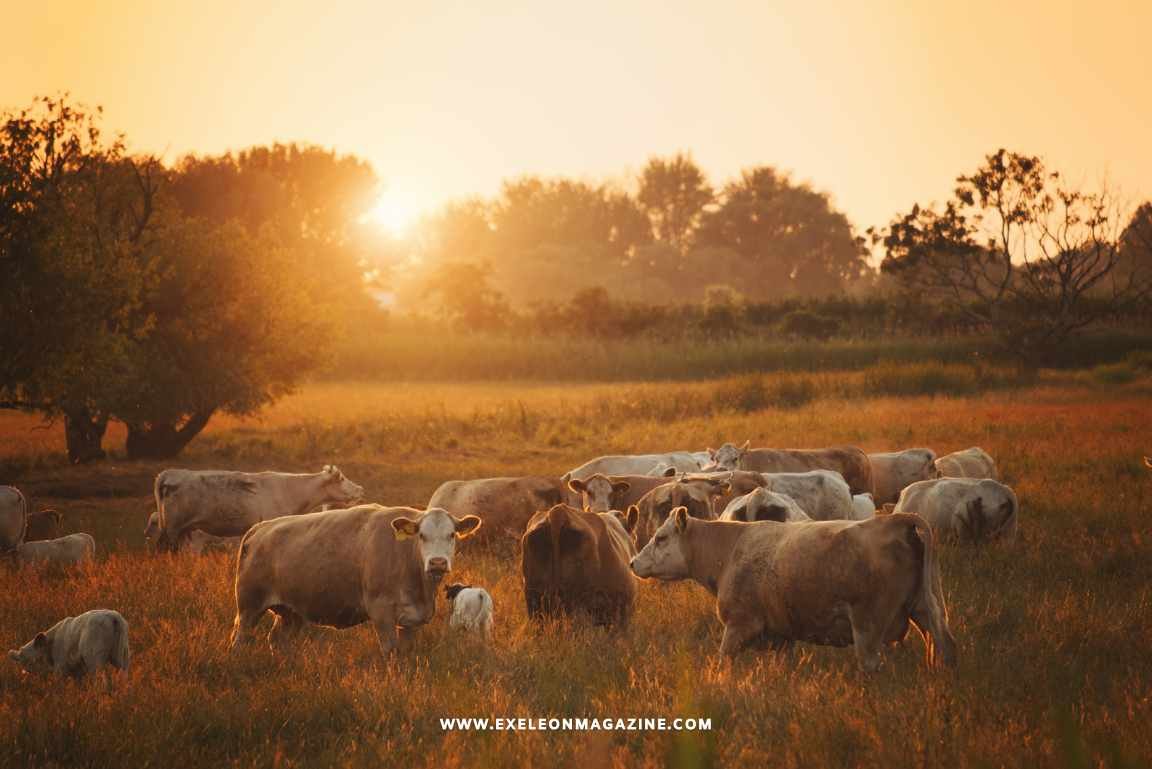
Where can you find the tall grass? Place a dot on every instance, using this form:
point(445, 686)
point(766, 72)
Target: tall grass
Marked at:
point(1053, 630)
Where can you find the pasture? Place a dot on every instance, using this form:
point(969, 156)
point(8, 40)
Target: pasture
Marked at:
point(1053, 630)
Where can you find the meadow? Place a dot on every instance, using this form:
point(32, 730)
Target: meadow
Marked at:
point(1053, 630)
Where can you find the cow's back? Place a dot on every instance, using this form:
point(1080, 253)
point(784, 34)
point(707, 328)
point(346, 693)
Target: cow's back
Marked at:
point(505, 505)
point(849, 461)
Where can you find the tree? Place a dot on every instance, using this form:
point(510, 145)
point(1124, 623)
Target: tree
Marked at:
point(467, 299)
point(75, 211)
point(784, 238)
point(1019, 252)
point(673, 193)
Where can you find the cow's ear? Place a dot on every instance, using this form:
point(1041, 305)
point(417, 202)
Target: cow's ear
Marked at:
point(13, 655)
point(740, 513)
point(621, 486)
point(745, 447)
point(40, 641)
point(711, 452)
point(631, 518)
point(670, 472)
point(405, 528)
point(576, 485)
point(467, 526)
point(680, 516)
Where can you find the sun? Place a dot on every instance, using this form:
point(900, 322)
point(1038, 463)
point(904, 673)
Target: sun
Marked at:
point(393, 213)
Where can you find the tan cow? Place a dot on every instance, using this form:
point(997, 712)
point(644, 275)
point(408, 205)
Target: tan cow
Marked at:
point(576, 562)
point(894, 471)
point(601, 493)
point(832, 583)
point(71, 550)
point(341, 568)
point(43, 524)
point(699, 495)
point(505, 504)
point(969, 463)
point(969, 510)
point(849, 461)
point(13, 518)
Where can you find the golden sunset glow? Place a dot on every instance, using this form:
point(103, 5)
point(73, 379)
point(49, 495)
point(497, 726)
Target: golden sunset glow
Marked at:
point(880, 104)
point(394, 213)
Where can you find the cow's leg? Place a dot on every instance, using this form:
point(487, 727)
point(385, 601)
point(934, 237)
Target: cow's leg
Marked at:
point(939, 644)
point(738, 635)
point(383, 618)
point(873, 624)
point(250, 608)
point(286, 627)
point(406, 638)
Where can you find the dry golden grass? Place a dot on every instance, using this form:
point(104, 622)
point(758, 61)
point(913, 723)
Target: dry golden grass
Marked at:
point(1053, 630)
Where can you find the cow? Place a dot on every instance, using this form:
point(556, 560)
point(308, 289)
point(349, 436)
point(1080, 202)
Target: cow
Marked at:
point(826, 582)
point(633, 464)
point(697, 494)
point(969, 463)
point(763, 505)
point(969, 510)
point(471, 609)
point(13, 518)
point(601, 493)
point(1148, 462)
point(849, 461)
point(863, 507)
point(71, 550)
point(576, 562)
point(893, 471)
point(196, 541)
point(341, 568)
point(76, 646)
point(43, 524)
point(822, 494)
point(505, 504)
point(227, 503)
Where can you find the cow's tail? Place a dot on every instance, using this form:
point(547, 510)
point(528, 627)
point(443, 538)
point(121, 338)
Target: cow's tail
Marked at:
point(121, 653)
point(931, 609)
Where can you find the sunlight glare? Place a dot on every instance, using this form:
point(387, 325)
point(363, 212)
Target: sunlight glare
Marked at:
point(393, 213)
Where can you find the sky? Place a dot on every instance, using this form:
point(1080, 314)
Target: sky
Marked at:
point(880, 104)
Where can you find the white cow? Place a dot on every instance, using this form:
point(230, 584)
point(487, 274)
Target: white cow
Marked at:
point(71, 550)
point(13, 517)
point(633, 464)
point(893, 471)
point(823, 494)
point(863, 507)
point(967, 509)
point(78, 645)
point(225, 503)
point(764, 505)
point(969, 463)
point(471, 608)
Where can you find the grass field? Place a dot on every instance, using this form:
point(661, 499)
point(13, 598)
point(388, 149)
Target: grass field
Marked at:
point(1054, 631)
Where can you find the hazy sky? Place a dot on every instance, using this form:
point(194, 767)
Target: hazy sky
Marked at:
point(880, 103)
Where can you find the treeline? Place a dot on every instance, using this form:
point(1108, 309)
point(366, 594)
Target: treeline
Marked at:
point(159, 294)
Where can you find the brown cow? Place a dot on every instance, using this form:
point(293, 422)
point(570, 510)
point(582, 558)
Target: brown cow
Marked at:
point(601, 493)
point(344, 567)
point(833, 583)
point(504, 504)
point(849, 461)
point(43, 524)
point(577, 562)
point(699, 495)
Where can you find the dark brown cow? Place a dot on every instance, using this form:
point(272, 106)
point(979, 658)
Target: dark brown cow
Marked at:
point(577, 562)
point(849, 461)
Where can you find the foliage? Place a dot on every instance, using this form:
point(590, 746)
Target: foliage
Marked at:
point(674, 193)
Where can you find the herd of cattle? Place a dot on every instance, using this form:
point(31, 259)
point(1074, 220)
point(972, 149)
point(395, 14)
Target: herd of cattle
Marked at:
point(828, 546)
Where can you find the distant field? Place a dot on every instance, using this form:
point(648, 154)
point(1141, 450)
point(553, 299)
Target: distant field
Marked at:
point(1054, 630)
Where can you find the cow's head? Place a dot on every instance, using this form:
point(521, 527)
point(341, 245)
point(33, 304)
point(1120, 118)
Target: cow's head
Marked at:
point(338, 490)
point(989, 514)
point(665, 556)
point(764, 505)
point(34, 656)
point(599, 493)
point(727, 457)
point(693, 493)
point(435, 532)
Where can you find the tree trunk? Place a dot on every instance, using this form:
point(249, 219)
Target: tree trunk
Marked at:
point(83, 434)
point(150, 440)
